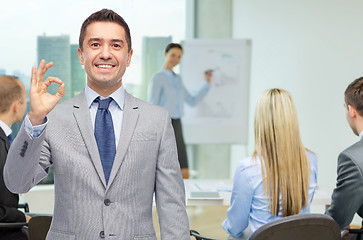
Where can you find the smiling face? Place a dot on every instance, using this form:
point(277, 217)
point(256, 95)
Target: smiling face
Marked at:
point(105, 56)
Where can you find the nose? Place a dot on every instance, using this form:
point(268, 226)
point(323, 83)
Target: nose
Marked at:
point(105, 52)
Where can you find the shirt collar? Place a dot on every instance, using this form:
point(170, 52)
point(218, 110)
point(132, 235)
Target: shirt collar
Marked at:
point(361, 135)
point(5, 128)
point(167, 72)
point(118, 96)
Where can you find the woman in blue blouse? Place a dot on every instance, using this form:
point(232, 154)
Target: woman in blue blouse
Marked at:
point(166, 89)
point(279, 179)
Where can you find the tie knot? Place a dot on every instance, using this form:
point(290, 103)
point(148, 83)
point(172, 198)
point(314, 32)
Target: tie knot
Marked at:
point(103, 104)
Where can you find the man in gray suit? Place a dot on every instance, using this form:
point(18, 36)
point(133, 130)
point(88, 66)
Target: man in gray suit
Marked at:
point(347, 198)
point(96, 198)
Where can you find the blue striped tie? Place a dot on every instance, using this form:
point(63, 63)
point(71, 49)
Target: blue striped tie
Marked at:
point(105, 136)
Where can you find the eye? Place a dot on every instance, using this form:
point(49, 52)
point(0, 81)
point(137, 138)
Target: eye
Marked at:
point(95, 45)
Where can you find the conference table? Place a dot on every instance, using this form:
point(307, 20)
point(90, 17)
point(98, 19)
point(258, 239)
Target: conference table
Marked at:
point(199, 192)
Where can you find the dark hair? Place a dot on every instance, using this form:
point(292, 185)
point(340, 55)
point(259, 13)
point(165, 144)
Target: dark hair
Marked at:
point(353, 95)
point(173, 45)
point(11, 90)
point(105, 15)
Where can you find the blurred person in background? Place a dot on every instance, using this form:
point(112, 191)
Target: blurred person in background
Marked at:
point(166, 89)
point(279, 179)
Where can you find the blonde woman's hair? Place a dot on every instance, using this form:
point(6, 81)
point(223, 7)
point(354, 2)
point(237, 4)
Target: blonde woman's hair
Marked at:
point(285, 168)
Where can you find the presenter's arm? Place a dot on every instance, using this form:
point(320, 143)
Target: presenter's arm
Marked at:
point(347, 197)
point(29, 157)
point(169, 188)
point(193, 100)
point(154, 90)
point(241, 201)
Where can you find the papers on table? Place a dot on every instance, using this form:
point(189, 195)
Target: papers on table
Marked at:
point(210, 192)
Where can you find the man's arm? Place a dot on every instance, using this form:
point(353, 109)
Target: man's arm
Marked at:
point(169, 188)
point(27, 163)
point(347, 196)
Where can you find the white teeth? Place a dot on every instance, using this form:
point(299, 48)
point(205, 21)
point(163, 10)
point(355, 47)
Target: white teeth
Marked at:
point(104, 66)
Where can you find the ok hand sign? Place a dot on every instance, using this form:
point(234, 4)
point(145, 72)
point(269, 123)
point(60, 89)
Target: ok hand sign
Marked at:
point(42, 102)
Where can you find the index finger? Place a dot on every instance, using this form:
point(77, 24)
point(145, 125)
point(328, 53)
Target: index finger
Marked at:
point(42, 69)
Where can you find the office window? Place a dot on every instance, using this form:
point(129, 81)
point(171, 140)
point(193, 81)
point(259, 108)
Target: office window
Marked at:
point(33, 30)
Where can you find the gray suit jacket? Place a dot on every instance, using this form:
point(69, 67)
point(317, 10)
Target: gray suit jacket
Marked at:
point(85, 207)
point(347, 198)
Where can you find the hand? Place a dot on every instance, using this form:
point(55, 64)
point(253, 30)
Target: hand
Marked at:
point(185, 173)
point(42, 102)
point(27, 218)
point(208, 75)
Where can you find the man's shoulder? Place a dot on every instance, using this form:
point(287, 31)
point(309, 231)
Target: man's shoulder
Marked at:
point(356, 147)
point(353, 153)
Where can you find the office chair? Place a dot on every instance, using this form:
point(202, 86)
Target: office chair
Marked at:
point(197, 236)
point(38, 227)
point(15, 225)
point(355, 233)
point(299, 227)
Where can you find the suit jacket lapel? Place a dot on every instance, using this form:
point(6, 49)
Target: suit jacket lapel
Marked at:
point(130, 116)
point(4, 138)
point(82, 116)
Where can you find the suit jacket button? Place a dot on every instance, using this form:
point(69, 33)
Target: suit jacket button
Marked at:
point(107, 202)
point(102, 234)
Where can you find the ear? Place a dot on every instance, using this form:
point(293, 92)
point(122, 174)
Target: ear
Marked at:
point(129, 57)
point(352, 111)
point(15, 106)
point(80, 56)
